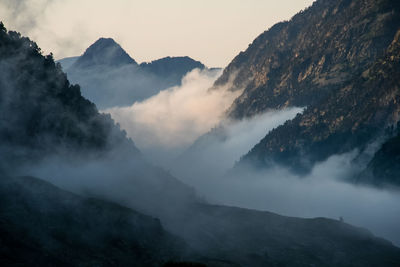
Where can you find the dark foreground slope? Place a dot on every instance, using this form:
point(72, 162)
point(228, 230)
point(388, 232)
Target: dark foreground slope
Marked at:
point(255, 238)
point(46, 124)
point(41, 225)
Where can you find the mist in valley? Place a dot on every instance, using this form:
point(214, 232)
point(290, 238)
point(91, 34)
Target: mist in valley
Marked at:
point(197, 143)
point(169, 150)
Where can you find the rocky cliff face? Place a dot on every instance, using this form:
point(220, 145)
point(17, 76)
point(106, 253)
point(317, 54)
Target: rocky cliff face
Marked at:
point(338, 59)
point(349, 118)
point(304, 60)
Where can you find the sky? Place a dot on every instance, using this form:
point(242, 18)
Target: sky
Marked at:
point(212, 31)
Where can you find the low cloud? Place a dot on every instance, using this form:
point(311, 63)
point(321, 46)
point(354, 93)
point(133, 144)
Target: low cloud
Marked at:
point(175, 117)
point(325, 192)
point(217, 151)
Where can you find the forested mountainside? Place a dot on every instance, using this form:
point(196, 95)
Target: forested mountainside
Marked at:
point(110, 77)
point(41, 112)
point(337, 58)
point(44, 116)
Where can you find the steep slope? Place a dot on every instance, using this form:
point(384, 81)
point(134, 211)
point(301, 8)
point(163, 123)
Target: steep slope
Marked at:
point(41, 225)
point(349, 118)
point(304, 60)
point(109, 77)
point(384, 167)
point(41, 113)
point(331, 59)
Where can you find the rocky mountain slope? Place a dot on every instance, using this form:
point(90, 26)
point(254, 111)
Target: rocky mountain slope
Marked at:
point(351, 118)
point(330, 58)
point(44, 117)
point(301, 61)
point(110, 77)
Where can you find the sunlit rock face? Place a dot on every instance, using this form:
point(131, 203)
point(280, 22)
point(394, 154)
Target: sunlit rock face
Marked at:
point(330, 58)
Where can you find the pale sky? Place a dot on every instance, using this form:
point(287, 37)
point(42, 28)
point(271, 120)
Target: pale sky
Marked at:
point(212, 31)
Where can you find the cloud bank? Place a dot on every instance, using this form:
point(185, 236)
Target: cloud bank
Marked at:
point(175, 117)
point(323, 193)
point(217, 151)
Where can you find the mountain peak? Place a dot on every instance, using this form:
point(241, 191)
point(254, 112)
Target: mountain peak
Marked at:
point(105, 51)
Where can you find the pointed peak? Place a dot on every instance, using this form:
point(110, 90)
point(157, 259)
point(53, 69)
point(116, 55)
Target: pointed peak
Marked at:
point(104, 52)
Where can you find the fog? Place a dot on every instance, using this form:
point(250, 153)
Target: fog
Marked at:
point(116, 86)
point(185, 130)
point(323, 193)
point(174, 118)
point(214, 153)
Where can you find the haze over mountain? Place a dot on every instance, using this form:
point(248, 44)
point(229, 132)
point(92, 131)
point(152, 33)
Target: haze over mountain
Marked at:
point(49, 129)
point(325, 153)
point(319, 91)
point(110, 77)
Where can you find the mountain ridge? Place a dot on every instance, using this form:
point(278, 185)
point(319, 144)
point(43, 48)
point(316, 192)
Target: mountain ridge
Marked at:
point(326, 56)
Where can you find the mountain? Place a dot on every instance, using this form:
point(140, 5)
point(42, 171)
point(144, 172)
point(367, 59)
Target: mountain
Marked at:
point(104, 52)
point(47, 127)
point(42, 225)
point(45, 122)
point(110, 77)
point(42, 113)
point(67, 62)
point(352, 118)
point(301, 61)
point(255, 238)
point(331, 59)
point(172, 68)
point(384, 167)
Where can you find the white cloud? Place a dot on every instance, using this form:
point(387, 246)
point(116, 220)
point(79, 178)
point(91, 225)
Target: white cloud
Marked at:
point(174, 118)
